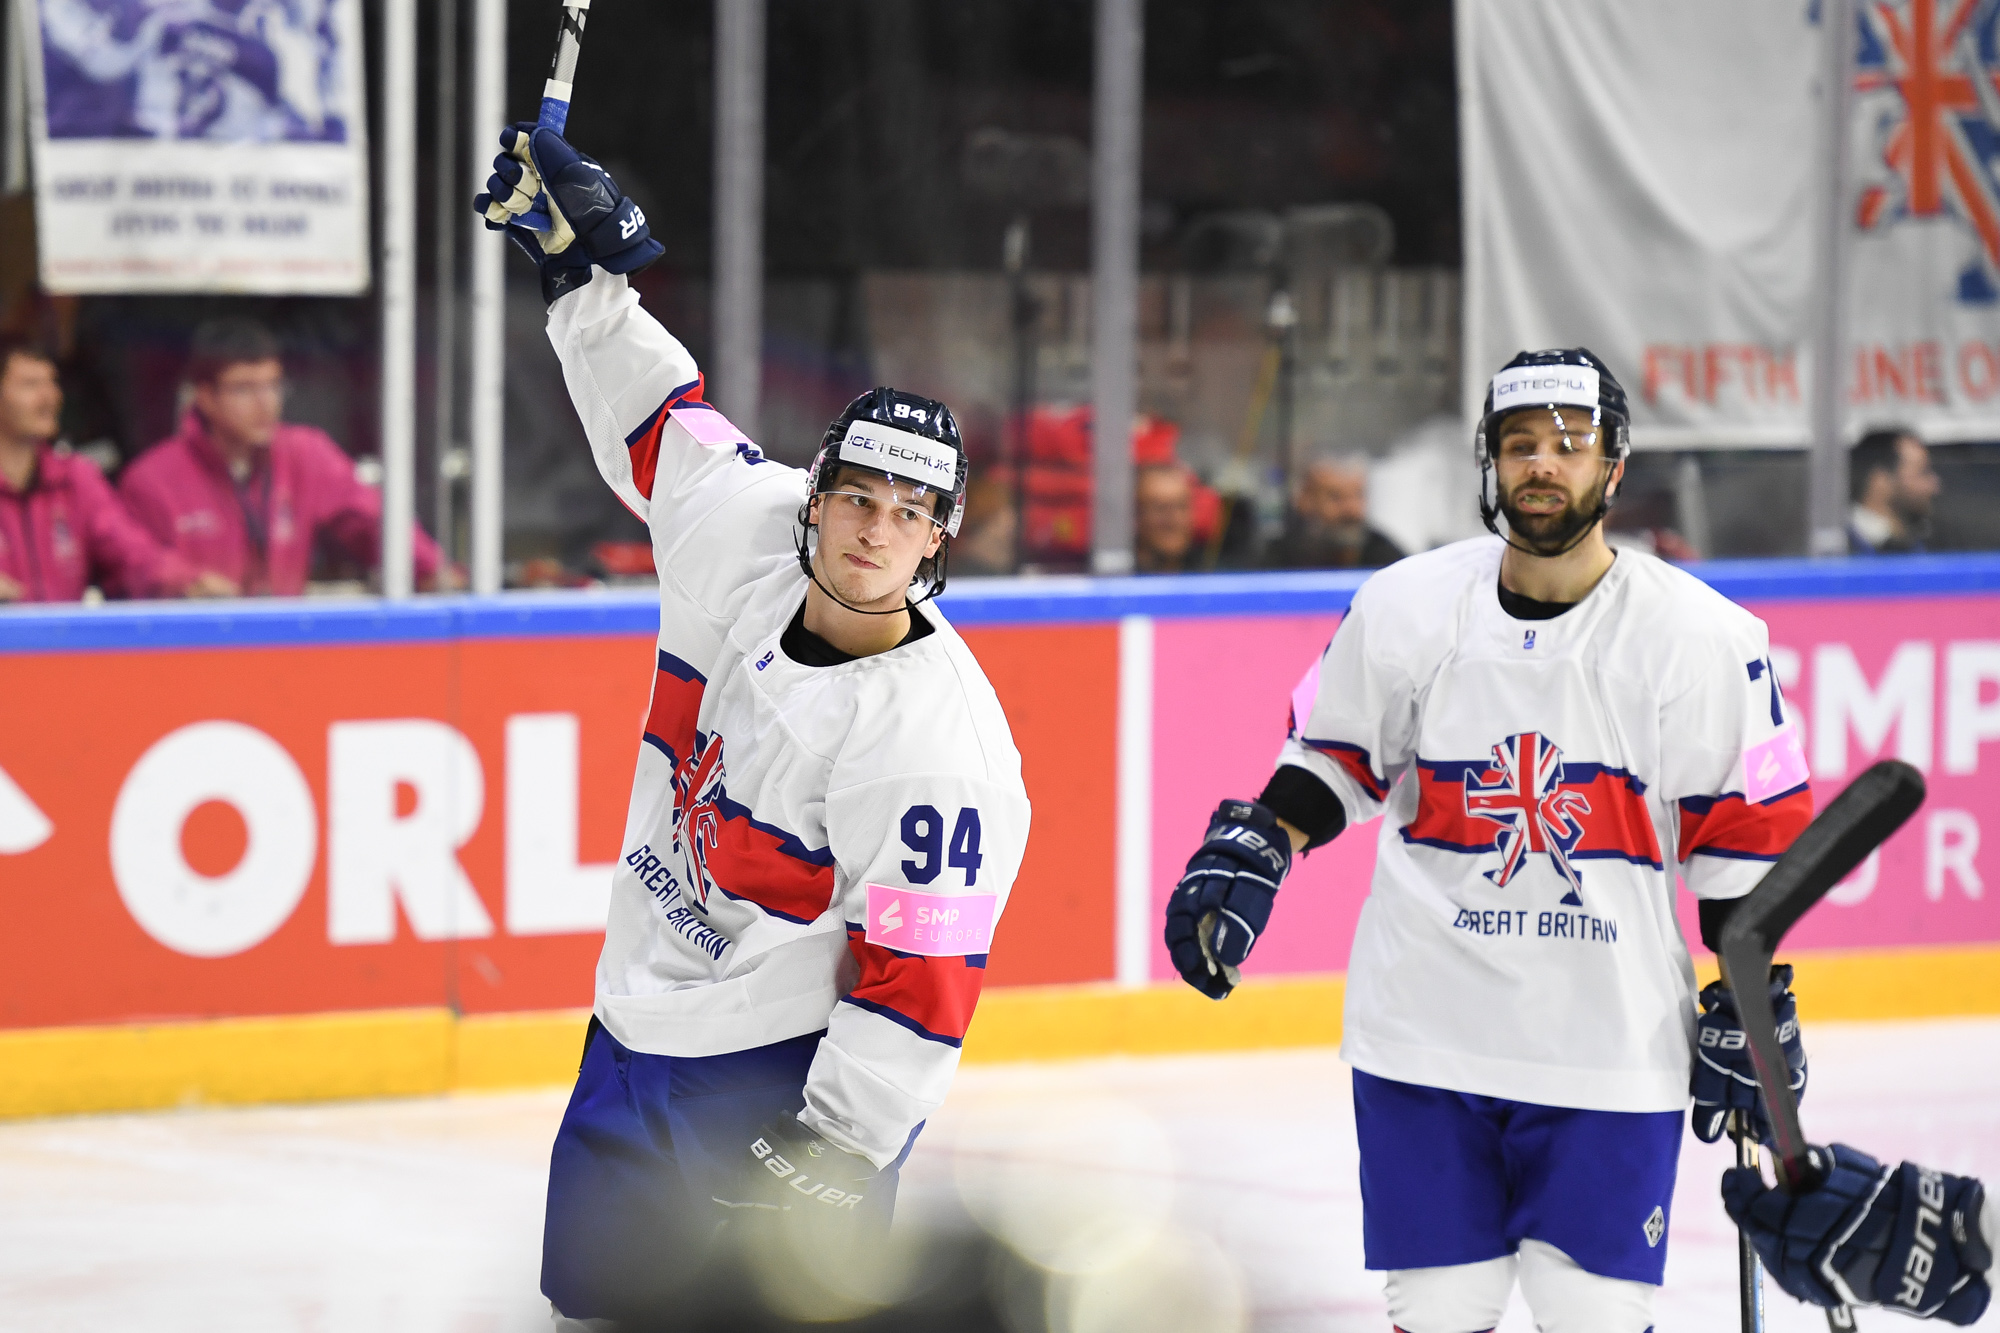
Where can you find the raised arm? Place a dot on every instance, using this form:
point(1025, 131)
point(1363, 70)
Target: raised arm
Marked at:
point(625, 373)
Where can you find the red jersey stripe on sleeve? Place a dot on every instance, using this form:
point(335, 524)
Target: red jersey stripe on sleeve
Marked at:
point(932, 997)
point(1356, 761)
point(643, 444)
point(1729, 826)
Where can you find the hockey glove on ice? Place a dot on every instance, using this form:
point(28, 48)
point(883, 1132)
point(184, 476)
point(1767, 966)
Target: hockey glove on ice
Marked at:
point(1724, 1079)
point(1908, 1237)
point(591, 222)
point(1223, 901)
point(786, 1167)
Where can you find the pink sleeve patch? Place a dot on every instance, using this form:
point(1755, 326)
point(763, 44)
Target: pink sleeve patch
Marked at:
point(937, 925)
point(1774, 766)
point(1303, 695)
point(708, 426)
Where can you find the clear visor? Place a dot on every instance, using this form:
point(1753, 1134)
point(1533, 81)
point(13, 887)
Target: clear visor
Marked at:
point(1528, 433)
point(903, 502)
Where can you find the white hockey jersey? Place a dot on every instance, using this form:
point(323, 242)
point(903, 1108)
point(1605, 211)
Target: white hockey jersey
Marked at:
point(1542, 782)
point(807, 846)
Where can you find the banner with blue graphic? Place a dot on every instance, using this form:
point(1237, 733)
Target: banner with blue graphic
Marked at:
point(1644, 179)
point(199, 145)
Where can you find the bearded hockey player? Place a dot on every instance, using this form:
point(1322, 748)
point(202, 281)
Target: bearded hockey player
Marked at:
point(827, 814)
point(1553, 731)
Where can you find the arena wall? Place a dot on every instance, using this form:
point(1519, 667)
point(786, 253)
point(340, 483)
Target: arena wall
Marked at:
point(297, 850)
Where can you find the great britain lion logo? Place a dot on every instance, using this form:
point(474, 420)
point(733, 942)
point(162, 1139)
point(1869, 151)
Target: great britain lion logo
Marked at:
point(698, 817)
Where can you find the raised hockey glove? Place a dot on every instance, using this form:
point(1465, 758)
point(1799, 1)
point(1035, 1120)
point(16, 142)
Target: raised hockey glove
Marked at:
point(1908, 1238)
point(787, 1168)
point(1224, 900)
point(1724, 1079)
point(590, 221)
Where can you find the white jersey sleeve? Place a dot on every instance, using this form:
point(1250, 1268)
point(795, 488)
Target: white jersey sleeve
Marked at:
point(721, 515)
point(926, 862)
point(1736, 775)
point(1353, 722)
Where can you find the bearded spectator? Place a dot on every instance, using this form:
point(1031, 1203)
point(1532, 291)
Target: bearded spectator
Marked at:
point(1893, 485)
point(1327, 527)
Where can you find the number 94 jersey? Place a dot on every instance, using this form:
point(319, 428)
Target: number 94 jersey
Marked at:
point(807, 847)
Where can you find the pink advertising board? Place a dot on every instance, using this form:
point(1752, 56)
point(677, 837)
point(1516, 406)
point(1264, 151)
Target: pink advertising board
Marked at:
point(1914, 677)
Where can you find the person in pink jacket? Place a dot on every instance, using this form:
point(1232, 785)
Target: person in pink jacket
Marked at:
point(240, 492)
point(62, 528)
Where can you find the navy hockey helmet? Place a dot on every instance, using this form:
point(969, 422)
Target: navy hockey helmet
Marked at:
point(911, 440)
point(1548, 381)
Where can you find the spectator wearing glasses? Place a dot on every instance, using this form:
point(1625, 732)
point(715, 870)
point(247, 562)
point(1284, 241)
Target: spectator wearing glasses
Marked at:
point(1893, 484)
point(62, 529)
point(239, 491)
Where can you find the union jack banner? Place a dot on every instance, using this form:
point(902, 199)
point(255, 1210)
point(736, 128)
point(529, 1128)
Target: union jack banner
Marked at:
point(1523, 792)
point(1943, 149)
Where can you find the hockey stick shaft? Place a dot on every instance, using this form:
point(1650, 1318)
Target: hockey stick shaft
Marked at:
point(554, 114)
point(562, 69)
point(1749, 1271)
point(1853, 824)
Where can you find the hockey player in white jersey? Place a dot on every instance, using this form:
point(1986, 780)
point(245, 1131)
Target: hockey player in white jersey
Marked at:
point(1553, 732)
point(827, 814)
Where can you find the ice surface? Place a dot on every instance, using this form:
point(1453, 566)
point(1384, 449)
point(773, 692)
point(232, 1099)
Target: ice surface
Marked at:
point(426, 1215)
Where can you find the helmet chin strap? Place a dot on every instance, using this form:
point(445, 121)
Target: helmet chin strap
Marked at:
point(1491, 511)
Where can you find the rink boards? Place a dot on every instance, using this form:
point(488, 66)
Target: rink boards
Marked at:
point(284, 850)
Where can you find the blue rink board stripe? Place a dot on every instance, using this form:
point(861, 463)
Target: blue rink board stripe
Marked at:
point(969, 602)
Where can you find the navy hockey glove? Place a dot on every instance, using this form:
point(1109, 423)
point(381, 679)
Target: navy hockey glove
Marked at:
point(590, 221)
point(1223, 901)
point(786, 1167)
point(1724, 1079)
point(1908, 1238)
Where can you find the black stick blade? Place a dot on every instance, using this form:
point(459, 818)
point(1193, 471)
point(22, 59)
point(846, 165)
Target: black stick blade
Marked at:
point(1854, 824)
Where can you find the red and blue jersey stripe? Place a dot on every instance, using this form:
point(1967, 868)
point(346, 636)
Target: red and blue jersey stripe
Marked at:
point(747, 858)
point(1732, 827)
point(1617, 826)
point(1356, 763)
point(643, 444)
point(932, 997)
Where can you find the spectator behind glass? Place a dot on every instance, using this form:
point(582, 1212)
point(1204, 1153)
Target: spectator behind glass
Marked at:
point(62, 528)
point(1327, 525)
point(239, 491)
point(1890, 477)
point(1162, 519)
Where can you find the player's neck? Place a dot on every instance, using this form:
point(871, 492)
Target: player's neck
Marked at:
point(1564, 578)
point(852, 632)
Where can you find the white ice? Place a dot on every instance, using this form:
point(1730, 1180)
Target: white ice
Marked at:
point(426, 1215)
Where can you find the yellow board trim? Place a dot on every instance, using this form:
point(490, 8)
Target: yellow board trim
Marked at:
point(416, 1052)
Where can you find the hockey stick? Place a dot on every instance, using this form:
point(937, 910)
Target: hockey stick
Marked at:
point(1749, 1270)
point(556, 95)
point(1854, 824)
